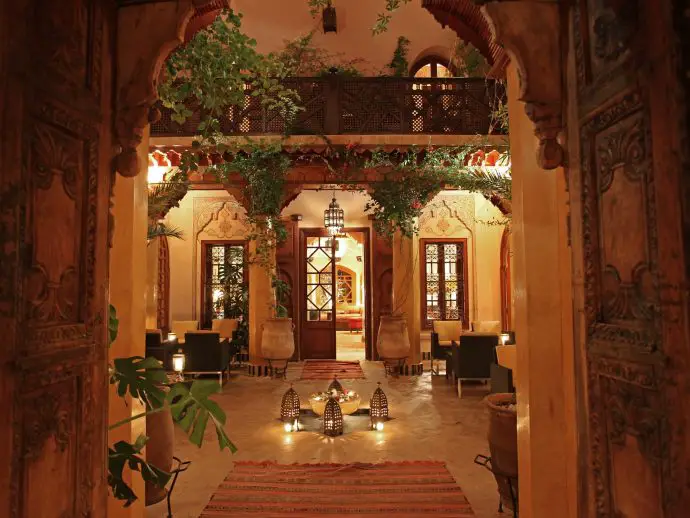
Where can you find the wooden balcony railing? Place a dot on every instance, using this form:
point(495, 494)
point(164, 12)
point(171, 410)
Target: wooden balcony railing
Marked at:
point(363, 106)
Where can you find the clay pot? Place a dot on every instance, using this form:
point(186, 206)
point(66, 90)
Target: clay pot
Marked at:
point(393, 341)
point(277, 339)
point(159, 450)
point(503, 444)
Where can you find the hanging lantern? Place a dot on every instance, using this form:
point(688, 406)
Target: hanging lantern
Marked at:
point(330, 21)
point(178, 361)
point(332, 418)
point(378, 409)
point(334, 218)
point(335, 385)
point(289, 410)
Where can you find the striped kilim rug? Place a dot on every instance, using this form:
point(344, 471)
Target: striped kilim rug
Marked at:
point(398, 489)
point(327, 369)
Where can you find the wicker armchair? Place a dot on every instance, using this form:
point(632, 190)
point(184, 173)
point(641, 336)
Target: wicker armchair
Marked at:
point(442, 336)
point(473, 357)
point(206, 354)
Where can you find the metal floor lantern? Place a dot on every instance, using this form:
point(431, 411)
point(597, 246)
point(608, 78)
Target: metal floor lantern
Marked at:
point(332, 418)
point(378, 408)
point(289, 409)
point(335, 384)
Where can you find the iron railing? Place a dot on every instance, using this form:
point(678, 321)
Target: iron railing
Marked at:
point(363, 106)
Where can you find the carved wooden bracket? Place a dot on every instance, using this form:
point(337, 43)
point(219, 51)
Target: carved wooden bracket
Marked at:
point(530, 31)
point(147, 34)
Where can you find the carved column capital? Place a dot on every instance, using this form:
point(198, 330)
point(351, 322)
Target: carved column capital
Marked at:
point(531, 34)
point(147, 34)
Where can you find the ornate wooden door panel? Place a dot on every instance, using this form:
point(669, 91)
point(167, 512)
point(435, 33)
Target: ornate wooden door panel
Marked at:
point(54, 194)
point(636, 350)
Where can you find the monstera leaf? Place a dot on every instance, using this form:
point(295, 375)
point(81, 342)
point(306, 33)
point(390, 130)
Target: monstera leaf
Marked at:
point(192, 409)
point(141, 377)
point(113, 324)
point(125, 454)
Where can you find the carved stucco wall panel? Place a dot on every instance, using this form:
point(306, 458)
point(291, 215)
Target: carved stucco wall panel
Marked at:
point(215, 218)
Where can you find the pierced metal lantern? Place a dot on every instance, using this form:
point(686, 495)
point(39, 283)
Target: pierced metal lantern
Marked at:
point(289, 408)
point(335, 385)
point(334, 218)
point(378, 409)
point(330, 20)
point(332, 418)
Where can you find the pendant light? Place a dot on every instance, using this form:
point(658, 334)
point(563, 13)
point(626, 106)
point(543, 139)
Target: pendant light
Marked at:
point(334, 218)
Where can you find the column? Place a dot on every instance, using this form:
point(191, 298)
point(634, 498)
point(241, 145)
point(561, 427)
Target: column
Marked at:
point(407, 291)
point(261, 271)
point(128, 295)
point(542, 276)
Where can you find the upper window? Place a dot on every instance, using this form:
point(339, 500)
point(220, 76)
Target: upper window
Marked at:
point(444, 291)
point(432, 67)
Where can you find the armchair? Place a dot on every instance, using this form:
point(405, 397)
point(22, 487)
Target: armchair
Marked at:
point(486, 326)
point(180, 327)
point(206, 354)
point(156, 348)
point(442, 335)
point(472, 357)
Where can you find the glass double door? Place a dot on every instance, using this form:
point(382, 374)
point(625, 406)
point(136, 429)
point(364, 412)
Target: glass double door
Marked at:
point(318, 295)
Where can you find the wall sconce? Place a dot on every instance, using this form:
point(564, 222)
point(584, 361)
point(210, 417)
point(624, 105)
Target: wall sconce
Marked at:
point(330, 20)
point(178, 361)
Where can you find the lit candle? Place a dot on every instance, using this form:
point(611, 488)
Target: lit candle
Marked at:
point(172, 337)
point(504, 338)
point(288, 427)
point(178, 361)
point(379, 426)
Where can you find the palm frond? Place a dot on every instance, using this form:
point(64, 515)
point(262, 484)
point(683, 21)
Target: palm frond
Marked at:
point(485, 182)
point(161, 229)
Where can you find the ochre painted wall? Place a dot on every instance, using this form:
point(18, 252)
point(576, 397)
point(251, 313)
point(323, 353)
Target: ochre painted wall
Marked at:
point(215, 215)
point(272, 22)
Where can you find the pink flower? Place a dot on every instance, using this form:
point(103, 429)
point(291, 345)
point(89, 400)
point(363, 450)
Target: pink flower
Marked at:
point(416, 205)
point(351, 146)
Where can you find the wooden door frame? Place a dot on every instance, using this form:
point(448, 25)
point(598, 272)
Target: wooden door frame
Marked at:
point(204, 244)
point(422, 277)
point(504, 276)
point(368, 309)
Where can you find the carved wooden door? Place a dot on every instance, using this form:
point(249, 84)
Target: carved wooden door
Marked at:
point(55, 149)
point(318, 305)
point(633, 159)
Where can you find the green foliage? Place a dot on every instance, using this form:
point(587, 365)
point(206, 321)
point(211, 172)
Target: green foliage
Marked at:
point(382, 20)
point(125, 454)
point(399, 64)
point(281, 291)
point(301, 58)
point(468, 61)
point(141, 378)
point(161, 198)
point(215, 67)
point(192, 408)
point(113, 324)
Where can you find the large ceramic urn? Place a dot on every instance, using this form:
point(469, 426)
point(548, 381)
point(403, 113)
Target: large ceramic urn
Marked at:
point(159, 450)
point(393, 341)
point(503, 445)
point(277, 339)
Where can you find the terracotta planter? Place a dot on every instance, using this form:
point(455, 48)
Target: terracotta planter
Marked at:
point(393, 340)
point(159, 450)
point(277, 339)
point(503, 445)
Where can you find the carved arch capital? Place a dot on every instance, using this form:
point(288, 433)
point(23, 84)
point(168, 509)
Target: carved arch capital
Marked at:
point(148, 32)
point(531, 34)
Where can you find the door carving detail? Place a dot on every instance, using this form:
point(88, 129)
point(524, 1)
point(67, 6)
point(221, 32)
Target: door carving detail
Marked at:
point(629, 355)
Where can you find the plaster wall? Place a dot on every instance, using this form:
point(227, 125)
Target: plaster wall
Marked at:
point(272, 22)
point(215, 215)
